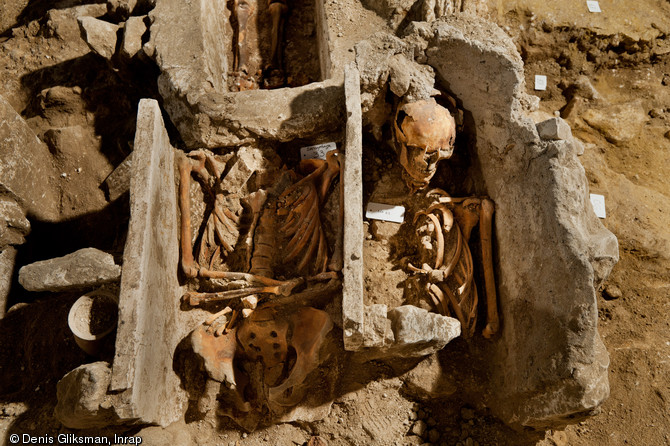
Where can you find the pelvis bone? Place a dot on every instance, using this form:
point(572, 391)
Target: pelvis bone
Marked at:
point(268, 336)
point(424, 134)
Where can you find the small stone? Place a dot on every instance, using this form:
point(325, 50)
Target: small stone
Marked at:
point(419, 428)
point(413, 415)
point(554, 129)
point(612, 292)
point(245, 435)
point(666, 80)
point(431, 421)
point(433, 436)
point(467, 414)
point(421, 414)
point(469, 442)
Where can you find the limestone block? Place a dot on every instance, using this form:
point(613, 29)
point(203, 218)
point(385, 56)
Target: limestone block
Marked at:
point(618, 123)
point(62, 23)
point(419, 332)
point(26, 171)
point(83, 402)
point(14, 225)
point(133, 31)
point(86, 268)
point(554, 129)
point(99, 35)
point(118, 182)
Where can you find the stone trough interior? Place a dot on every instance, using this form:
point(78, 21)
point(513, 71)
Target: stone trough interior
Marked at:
point(545, 366)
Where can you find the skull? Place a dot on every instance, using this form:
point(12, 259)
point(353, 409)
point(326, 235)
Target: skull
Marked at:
point(424, 133)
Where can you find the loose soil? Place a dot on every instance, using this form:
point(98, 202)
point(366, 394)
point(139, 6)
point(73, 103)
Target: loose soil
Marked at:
point(50, 76)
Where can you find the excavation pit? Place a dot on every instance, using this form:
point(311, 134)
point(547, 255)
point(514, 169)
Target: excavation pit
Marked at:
point(546, 366)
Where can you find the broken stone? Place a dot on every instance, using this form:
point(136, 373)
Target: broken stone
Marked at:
point(554, 129)
point(62, 23)
point(83, 402)
point(377, 330)
point(133, 31)
point(399, 75)
point(99, 35)
point(427, 380)
point(612, 292)
point(118, 182)
point(86, 268)
point(419, 428)
point(26, 171)
point(419, 332)
point(7, 262)
point(584, 88)
point(14, 225)
point(618, 123)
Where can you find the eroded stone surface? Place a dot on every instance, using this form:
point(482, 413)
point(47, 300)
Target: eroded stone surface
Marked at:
point(86, 268)
point(618, 123)
point(83, 402)
point(26, 171)
point(14, 225)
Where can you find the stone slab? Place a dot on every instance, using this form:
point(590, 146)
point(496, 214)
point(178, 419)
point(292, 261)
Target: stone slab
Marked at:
point(148, 330)
point(83, 269)
point(99, 35)
point(26, 172)
point(352, 176)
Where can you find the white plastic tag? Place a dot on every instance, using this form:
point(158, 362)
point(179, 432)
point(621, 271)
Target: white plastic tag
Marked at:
point(593, 6)
point(386, 212)
point(598, 203)
point(540, 82)
point(317, 152)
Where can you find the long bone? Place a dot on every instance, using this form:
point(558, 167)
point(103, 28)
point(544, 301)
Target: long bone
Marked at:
point(485, 231)
point(278, 10)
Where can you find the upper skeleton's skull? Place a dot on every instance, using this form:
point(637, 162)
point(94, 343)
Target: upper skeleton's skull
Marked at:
point(424, 133)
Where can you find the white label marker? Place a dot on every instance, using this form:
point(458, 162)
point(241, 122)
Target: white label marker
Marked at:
point(598, 203)
point(318, 151)
point(593, 6)
point(540, 82)
point(386, 212)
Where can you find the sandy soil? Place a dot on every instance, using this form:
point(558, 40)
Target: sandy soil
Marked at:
point(624, 122)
